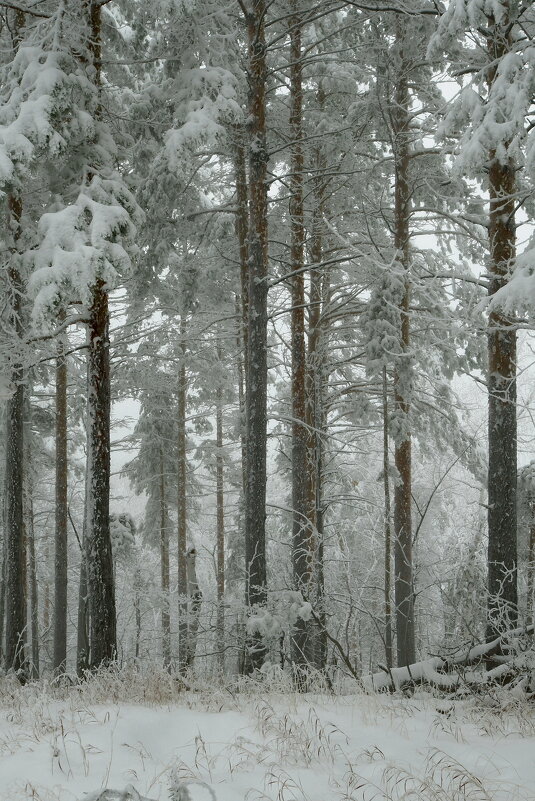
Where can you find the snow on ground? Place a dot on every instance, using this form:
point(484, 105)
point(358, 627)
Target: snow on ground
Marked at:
point(60, 746)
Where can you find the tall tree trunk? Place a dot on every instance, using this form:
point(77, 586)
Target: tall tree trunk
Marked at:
point(242, 231)
point(242, 310)
point(315, 385)
point(100, 574)
point(99, 557)
point(46, 597)
point(220, 524)
point(164, 569)
point(303, 541)
point(530, 568)
point(137, 610)
point(404, 590)
point(3, 595)
point(181, 505)
point(34, 598)
point(82, 623)
point(61, 520)
point(256, 383)
point(29, 539)
point(14, 518)
point(388, 532)
point(242, 316)
point(502, 467)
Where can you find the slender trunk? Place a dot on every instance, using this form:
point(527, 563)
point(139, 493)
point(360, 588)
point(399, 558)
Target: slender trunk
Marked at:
point(82, 638)
point(46, 596)
point(404, 590)
point(315, 381)
point(181, 505)
point(220, 509)
point(195, 597)
point(502, 467)
point(388, 531)
point(531, 569)
point(242, 231)
point(137, 609)
point(16, 584)
point(164, 569)
point(34, 598)
point(29, 538)
point(256, 383)
point(242, 304)
point(241, 400)
point(303, 541)
point(3, 596)
point(60, 556)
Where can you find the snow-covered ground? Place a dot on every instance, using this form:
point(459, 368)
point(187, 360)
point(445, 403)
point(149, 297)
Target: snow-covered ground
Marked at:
point(64, 745)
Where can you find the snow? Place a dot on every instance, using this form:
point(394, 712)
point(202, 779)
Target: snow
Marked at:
point(231, 746)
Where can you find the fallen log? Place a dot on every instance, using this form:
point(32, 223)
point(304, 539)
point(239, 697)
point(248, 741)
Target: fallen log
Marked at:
point(450, 673)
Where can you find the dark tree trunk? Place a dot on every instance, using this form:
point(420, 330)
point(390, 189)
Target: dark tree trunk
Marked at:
point(256, 383)
point(303, 540)
point(530, 569)
point(3, 596)
point(14, 518)
point(220, 525)
point(389, 654)
point(502, 468)
point(46, 598)
point(34, 597)
point(164, 569)
point(181, 506)
point(29, 539)
point(404, 590)
point(315, 387)
point(61, 520)
point(82, 630)
point(99, 557)
point(195, 600)
point(137, 610)
point(242, 310)
point(242, 232)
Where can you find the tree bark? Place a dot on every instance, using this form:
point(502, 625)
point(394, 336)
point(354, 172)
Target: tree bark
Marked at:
point(181, 505)
point(82, 628)
point(388, 532)
point(220, 525)
point(404, 590)
point(242, 310)
point(195, 598)
point(315, 389)
point(46, 597)
point(303, 540)
point(256, 383)
point(502, 429)
point(34, 597)
point(164, 569)
point(3, 595)
point(61, 520)
point(531, 569)
point(29, 539)
point(14, 520)
point(99, 557)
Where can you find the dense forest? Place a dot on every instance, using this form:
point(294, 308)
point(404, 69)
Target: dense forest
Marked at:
point(266, 337)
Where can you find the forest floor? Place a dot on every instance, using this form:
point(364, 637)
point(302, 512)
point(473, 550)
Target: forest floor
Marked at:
point(60, 744)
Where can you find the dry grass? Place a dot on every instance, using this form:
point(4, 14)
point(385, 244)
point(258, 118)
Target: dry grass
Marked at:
point(290, 741)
